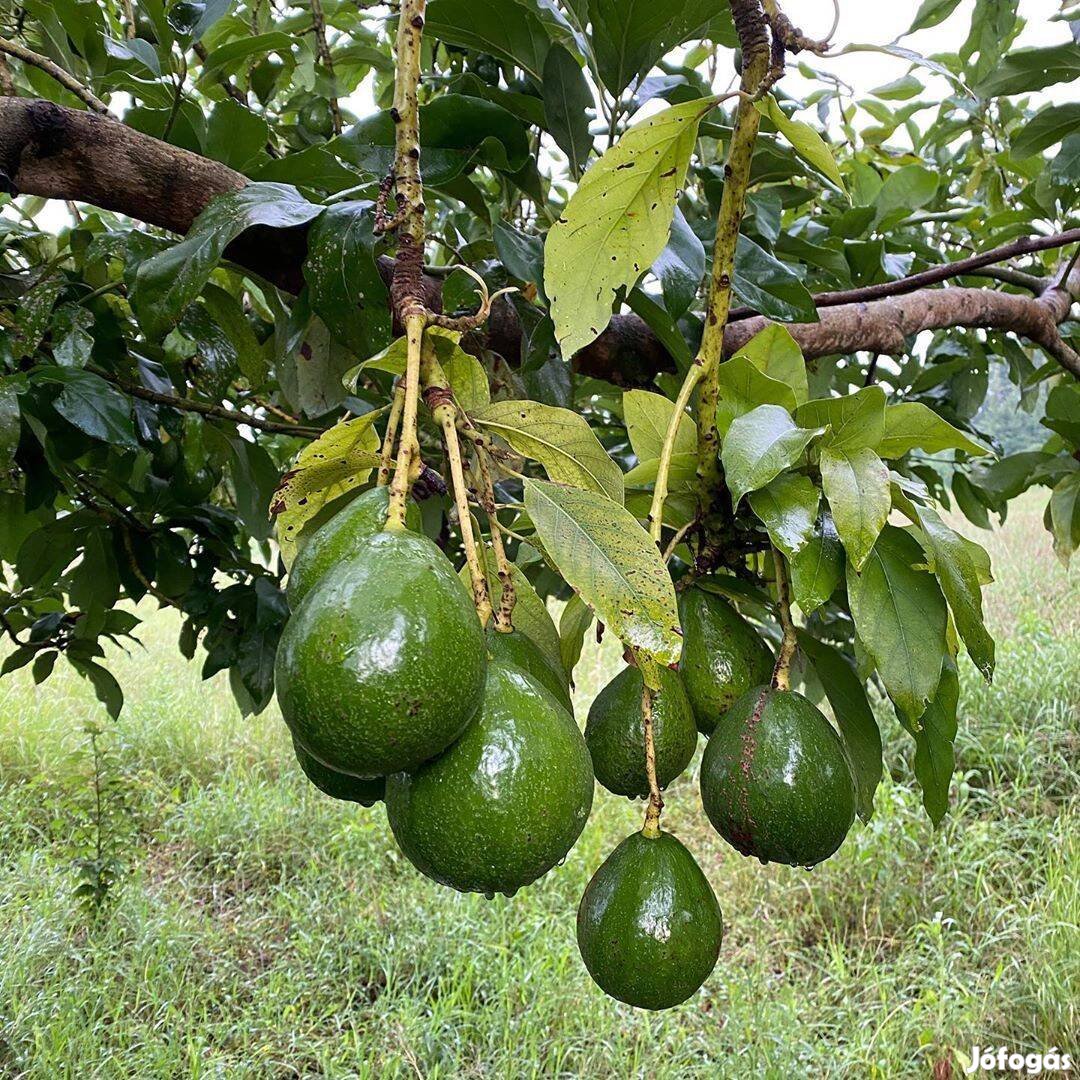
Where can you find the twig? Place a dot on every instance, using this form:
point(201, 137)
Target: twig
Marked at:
point(322, 49)
point(64, 78)
point(504, 614)
point(656, 800)
point(130, 27)
point(386, 453)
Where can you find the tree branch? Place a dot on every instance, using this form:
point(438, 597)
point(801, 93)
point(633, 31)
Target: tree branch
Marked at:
point(64, 78)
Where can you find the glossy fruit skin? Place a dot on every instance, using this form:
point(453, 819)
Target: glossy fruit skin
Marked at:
point(506, 802)
point(775, 779)
point(336, 540)
point(615, 734)
point(722, 656)
point(364, 790)
point(382, 665)
point(517, 649)
point(648, 926)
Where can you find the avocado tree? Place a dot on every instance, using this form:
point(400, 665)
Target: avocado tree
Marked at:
point(450, 308)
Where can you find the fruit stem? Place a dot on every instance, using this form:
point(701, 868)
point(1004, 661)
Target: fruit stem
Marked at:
point(408, 460)
point(656, 800)
point(504, 614)
point(660, 489)
point(781, 677)
point(440, 400)
point(386, 454)
point(753, 34)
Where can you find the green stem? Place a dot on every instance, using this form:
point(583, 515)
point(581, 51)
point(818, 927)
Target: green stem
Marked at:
point(649, 675)
point(660, 488)
point(781, 677)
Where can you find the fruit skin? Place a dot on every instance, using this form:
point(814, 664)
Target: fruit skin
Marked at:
point(336, 540)
point(775, 779)
point(517, 649)
point(366, 791)
point(382, 665)
point(506, 802)
point(648, 926)
point(616, 738)
point(722, 656)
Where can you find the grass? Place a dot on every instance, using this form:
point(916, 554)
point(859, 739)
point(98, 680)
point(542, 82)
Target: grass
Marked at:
point(262, 930)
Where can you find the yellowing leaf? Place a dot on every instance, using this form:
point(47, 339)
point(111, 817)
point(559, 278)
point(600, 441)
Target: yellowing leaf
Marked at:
point(807, 143)
point(617, 222)
point(336, 462)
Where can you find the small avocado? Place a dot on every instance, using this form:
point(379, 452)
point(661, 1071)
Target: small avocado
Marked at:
point(649, 927)
point(336, 540)
point(506, 802)
point(722, 656)
point(515, 648)
point(775, 779)
point(382, 665)
point(339, 785)
point(615, 734)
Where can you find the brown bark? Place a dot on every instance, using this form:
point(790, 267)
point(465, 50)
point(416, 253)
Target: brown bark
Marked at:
point(61, 153)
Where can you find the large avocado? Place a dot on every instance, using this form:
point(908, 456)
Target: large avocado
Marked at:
point(382, 664)
point(506, 802)
point(775, 779)
point(616, 738)
point(649, 927)
point(515, 648)
point(722, 656)
point(364, 790)
point(336, 540)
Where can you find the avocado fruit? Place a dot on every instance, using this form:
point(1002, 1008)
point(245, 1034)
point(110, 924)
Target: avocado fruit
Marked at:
point(364, 790)
point(382, 665)
point(615, 732)
point(722, 656)
point(775, 779)
point(521, 651)
point(336, 540)
point(506, 802)
point(649, 926)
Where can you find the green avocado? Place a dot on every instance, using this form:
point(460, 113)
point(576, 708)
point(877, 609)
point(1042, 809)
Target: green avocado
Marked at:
point(722, 656)
point(517, 649)
point(775, 779)
point(338, 785)
point(506, 802)
point(336, 540)
point(615, 734)
point(382, 665)
point(649, 927)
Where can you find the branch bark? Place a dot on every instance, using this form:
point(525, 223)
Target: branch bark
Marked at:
point(61, 153)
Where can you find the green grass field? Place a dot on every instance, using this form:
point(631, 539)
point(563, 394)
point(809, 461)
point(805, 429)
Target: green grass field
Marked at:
point(262, 930)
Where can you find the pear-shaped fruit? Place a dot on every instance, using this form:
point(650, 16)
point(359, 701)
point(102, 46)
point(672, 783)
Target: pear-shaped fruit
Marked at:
point(335, 541)
point(775, 779)
point(649, 927)
point(615, 734)
point(506, 802)
point(382, 665)
point(517, 649)
point(364, 790)
point(722, 656)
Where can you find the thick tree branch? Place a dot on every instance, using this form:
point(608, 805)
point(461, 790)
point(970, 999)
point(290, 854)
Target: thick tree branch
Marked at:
point(62, 153)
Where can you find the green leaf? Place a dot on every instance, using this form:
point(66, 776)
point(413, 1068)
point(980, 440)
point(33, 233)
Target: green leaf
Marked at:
point(775, 353)
point(763, 282)
point(235, 135)
point(907, 189)
point(607, 557)
point(558, 439)
point(647, 417)
point(1064, 516)
point(567, 104)
point(788, 508)
point(759, 446)
point(900, 617)
point(230, 319)
point(504, 28)
point(951, 559)
point(856, 483)
point(467, 378)
point(911, 424)
point(1024, 71)
point(931, 13)
point(854, 717)
point(106, 688)
point(805, 140)
point(1049, 126)
point(856, 421)
point(818, 569)
point(9, 427)
point(680, 267)
point(576, 619)
point(168, 282)
point(32, 315)
point(346, 289)
point(934, 755)
point(338, 461)
point(617, 222)
point(93, 405)
point(743, 387)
